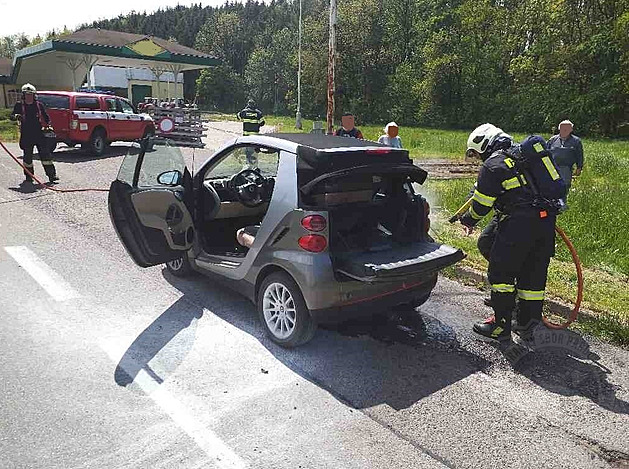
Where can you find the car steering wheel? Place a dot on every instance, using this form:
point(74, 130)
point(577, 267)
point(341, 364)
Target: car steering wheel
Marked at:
point(250, 187)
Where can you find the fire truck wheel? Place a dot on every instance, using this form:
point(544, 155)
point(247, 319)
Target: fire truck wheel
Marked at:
point(98, 142)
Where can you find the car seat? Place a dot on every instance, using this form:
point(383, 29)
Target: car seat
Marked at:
point(247, 235)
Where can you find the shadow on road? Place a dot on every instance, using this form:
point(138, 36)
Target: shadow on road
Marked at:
point(561, 362)
point(165, 334)
point(405, 363)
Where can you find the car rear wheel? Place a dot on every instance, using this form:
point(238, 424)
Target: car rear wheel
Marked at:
point(98, 142)
point(283, 312)
point(180, 267)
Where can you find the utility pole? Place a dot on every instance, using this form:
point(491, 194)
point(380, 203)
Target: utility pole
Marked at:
point(298, 116)
point(331, 63)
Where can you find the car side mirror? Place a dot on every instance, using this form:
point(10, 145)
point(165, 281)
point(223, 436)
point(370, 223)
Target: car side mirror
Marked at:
point(170, 178)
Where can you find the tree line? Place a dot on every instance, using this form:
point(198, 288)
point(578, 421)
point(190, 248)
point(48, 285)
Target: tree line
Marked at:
point(522, 64)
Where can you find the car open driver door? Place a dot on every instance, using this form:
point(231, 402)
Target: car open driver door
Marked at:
point(148, 204)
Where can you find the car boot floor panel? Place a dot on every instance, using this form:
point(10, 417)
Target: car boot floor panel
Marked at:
point(398, 259)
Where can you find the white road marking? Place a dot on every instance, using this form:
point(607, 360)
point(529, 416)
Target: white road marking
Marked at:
point(206, 439)
point(49, 280)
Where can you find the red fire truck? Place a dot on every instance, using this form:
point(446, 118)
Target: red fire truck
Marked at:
point(94, 120)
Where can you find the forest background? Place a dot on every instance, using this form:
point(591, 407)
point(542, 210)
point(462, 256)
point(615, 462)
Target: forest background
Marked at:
point(522, 64)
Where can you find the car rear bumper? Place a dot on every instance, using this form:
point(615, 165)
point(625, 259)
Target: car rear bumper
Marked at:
point(399, 294)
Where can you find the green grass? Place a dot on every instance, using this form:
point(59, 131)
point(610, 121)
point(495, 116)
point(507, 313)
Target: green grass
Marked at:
point(8, 131)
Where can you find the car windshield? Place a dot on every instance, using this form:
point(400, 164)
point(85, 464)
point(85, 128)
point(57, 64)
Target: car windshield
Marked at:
point(264, 159)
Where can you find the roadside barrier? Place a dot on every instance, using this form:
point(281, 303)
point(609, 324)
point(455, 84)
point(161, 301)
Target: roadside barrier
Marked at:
point(44, 185)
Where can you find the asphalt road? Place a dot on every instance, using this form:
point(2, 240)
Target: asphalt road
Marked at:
point(107, 365)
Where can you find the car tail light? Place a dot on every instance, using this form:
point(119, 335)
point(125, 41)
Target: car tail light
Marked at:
point(426, 217)
point(314, 223)
point(378, 151)
point(313, 243)
point(74, 124)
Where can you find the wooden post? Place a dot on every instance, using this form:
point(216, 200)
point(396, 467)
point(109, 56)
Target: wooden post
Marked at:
point(331, 64)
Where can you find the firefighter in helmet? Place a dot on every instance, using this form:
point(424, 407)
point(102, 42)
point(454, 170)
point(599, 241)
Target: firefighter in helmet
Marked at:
point(251, 118)
point(525, 190)
point(33, 121)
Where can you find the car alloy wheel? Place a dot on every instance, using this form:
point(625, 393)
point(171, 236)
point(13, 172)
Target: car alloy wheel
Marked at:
point(279, 310)
point(283, 311)
point(176, 264)
point(180, 267)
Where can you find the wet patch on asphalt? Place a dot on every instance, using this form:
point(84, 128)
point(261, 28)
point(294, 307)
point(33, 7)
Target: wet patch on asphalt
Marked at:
point(413, 329)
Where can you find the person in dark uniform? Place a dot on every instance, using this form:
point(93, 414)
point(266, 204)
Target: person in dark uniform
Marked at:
point(347, 127)
point(33, 119)
point(500, 140)
point(252, 120)
point(526, 195)
point(567, 150)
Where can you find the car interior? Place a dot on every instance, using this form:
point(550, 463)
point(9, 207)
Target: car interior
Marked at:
point(236, 195)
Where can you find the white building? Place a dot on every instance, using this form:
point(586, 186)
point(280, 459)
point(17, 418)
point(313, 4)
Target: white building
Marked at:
point(136, 83)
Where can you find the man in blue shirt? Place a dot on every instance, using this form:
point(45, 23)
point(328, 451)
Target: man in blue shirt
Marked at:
point(567, 151)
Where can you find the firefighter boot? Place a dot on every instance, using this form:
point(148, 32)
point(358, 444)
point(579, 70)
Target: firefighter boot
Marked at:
point(529, 318)
point(497, 329)
point(51, 172)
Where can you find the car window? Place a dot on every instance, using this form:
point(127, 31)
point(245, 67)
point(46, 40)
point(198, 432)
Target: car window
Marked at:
point(126, 107)
point(111, 104)
point(52, 101)
point(161, 158)
point(87, 103)
point(265, 159)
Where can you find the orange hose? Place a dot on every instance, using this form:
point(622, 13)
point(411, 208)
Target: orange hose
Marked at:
point(577, 304)
point(43, 184)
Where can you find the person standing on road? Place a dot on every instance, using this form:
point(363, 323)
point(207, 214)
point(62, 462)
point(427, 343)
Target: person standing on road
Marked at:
point(567, 150)
point(251, 118)
point(390, 137)
point(347, 127)
point(524, 185)
point(33, 119)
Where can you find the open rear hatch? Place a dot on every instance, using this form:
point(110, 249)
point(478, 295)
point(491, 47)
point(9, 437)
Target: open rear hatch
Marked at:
point(421, 257)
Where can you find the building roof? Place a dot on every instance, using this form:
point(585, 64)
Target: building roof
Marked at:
point(117, 39)
point(103, 47)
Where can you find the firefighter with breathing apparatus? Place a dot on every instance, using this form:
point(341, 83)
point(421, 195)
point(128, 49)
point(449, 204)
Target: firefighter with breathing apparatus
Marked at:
point(522, 183)
point(34, 128)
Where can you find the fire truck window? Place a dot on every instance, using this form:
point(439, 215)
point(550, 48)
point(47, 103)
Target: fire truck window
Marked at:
point(52, 101)
point(87, 104)
point(126, 107)
point(111, 104)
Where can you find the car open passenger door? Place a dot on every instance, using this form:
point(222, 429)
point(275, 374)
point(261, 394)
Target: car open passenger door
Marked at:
point(149, 204)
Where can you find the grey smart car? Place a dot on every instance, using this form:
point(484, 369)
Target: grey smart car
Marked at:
point(311, 228)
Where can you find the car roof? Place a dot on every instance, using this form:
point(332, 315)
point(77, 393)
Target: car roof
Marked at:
point(319, 150)
point(80, 94)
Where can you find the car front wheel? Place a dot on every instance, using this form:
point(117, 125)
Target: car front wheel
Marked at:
point(283, 312)
point(180, 267)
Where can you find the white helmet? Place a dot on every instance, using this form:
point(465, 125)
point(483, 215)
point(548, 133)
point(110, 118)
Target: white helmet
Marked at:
point(28, 88)
point(483, 137)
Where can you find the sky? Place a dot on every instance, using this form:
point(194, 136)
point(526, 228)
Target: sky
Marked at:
point(43, 16)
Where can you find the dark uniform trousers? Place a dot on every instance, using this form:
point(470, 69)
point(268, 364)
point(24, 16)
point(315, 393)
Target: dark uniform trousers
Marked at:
point(488, 236)
point(28, 144)
point(518, 265)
